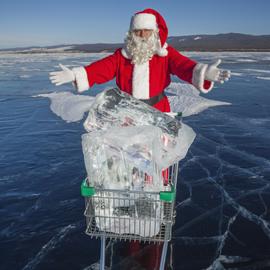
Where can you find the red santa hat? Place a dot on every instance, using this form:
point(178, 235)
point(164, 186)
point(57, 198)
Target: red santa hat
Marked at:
point(151, 19)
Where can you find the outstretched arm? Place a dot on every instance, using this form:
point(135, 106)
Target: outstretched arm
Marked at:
point(202, 76)
point(83, 78)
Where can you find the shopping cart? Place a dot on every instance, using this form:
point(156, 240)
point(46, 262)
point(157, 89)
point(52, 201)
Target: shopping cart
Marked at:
point(132, 215)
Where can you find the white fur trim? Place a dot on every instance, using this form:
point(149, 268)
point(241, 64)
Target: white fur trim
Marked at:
point(81, 79)
point(125, 53)
point(143, 21)
point(140, 81)
point(162, 51)
point(198, 78)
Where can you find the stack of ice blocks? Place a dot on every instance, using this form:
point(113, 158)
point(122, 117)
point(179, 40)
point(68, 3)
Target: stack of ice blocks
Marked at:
point(127, 151)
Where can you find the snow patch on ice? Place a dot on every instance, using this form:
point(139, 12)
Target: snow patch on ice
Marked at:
point(236, 74)
point(245, 60)
point(25, 76)
point(263, 78)
point(258, 70)
point(55, 50)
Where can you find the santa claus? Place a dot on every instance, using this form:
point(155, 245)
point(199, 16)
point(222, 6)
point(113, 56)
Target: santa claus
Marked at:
point(143, 66)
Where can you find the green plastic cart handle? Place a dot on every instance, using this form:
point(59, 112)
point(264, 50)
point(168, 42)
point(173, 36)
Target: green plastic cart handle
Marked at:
point(167, 196)
point(87, 191)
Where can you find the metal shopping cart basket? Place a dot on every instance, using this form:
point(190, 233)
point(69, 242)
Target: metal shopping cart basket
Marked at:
point(131, 215)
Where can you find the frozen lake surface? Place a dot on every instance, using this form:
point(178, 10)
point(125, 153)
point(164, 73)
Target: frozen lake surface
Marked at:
point(223, 216)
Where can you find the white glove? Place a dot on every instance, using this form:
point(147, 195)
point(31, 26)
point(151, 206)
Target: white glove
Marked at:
point(215, 74)
point(61, 77)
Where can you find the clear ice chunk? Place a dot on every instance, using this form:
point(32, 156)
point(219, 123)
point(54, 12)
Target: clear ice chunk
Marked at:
point(130, 143)
point(128, 213)
point(115, 108)
point(121, 158)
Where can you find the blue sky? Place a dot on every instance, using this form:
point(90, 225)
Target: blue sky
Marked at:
point(48, 22)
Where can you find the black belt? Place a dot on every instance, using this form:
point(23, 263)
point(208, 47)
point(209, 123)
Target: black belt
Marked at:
point(154, 100)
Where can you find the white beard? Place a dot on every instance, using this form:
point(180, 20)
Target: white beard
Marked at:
point(140, 49)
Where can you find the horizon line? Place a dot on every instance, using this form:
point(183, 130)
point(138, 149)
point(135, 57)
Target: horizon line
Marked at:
point(72, 44)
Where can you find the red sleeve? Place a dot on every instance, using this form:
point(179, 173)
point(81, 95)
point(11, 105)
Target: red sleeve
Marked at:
point(102, 70)
point(180, 65)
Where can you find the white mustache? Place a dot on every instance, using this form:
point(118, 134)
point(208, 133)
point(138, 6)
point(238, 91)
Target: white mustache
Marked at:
point(141, 49)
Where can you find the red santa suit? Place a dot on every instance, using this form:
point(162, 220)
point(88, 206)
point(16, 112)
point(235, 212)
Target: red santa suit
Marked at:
point(147, 80)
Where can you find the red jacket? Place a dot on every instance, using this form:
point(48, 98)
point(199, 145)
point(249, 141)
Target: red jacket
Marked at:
point(149, 80)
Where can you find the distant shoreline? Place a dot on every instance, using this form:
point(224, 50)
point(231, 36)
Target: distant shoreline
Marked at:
point(228, 42)
point(87, 52)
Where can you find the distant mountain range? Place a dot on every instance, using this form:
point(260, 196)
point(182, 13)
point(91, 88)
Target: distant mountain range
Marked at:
point(219, 42)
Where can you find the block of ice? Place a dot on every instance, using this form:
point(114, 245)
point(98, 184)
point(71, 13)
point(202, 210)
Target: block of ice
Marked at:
point(145, 227)
point(128, 213)
point(186, 98)
point(182, 98)
point(130, 144)
point(69, 107)
point(119, 158)
point(115, 108)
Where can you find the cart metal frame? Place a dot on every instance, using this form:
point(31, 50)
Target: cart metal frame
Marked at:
point(131, 215)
